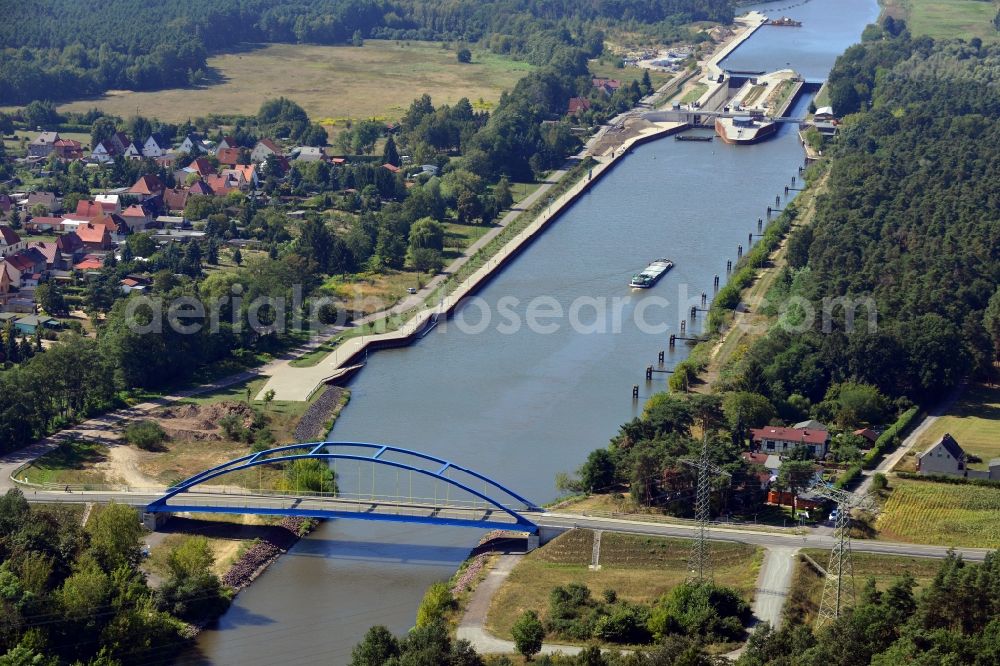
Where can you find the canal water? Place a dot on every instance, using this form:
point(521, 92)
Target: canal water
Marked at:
point(522, 403)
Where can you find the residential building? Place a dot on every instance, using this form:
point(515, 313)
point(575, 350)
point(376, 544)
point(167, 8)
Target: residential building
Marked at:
point(229, 157)
point(103, 153)
point(47, 200)
point(606, 86)
point(577, 105)
point(24, 264)
point(110, 203)
point(176, 198)
point(51, 252)
point(192, 144)
point(226, 143)
point(88, 210)
point(811, 424)
point(31, 323)
point(152, 148)
point(119, 143)
point(133, 152)
point(264, 149)
point(71, 249)
point(94, 236)
point(43, 145)
point(944, 457)
point(10, 242)
point(147, 187)
point(137, 218)
point(776, 439)
point(247, 174)
point(68, 149)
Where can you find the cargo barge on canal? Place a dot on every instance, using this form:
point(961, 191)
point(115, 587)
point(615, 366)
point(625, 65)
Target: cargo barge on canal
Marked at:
point(651, 274)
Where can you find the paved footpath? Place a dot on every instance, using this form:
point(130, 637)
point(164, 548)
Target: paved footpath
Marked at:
point(773, 583)
point(473, 625)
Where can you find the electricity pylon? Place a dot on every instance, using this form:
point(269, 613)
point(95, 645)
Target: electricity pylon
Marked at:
point(699, 562)
point(836, 590)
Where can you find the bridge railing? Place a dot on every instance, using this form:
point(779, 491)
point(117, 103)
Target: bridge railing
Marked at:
point(442, 501)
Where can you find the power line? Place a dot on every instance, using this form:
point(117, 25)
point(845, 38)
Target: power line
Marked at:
point(699, 561)
point(838, 587)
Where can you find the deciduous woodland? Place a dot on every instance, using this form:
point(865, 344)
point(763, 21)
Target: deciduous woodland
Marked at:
point(60, 49)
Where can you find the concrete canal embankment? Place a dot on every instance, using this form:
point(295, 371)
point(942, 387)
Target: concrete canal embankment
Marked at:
point(300, 383)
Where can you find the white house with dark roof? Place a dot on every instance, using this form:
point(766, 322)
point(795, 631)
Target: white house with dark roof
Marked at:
point(152, 148)
point(944, 457)
point(10, 242)
point(947, 457)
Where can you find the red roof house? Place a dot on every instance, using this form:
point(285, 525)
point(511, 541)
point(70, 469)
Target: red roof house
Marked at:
point(229, 156)
point(578, 104)
point(86, 209)
point(776, 439)
point(147, 186)
point(94, 236)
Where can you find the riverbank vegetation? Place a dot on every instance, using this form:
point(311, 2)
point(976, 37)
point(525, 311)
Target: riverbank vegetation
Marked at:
point(73, 594)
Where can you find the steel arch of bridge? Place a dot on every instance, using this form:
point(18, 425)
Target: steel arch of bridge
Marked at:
point(320, 451)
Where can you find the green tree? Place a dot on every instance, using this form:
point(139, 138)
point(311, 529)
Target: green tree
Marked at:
point(598, 473)
point(192, 592)
point(115, 533)
point(357, 39)
point(464, 55)
point(796, 475)
point(146, 435)
point(102, 130)
point(50, 296)
point(377, 648)
point(502, 194)
point(752, 410)
point(390, 155)
point(528, 634)
point(311, 475)
point(237, 257)
point(991, 321)
point(647, 83)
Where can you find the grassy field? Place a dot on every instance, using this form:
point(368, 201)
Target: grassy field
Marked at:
point(694, 93)
point(639, 569)
point(945, 19)
point(974, 422)
point(70, 463)
point(807, 584)
point(941, 514)
point(608, 71)
point(331, 83)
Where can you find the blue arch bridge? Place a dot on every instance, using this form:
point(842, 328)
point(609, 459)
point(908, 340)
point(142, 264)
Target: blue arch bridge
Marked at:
point(401, 486)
